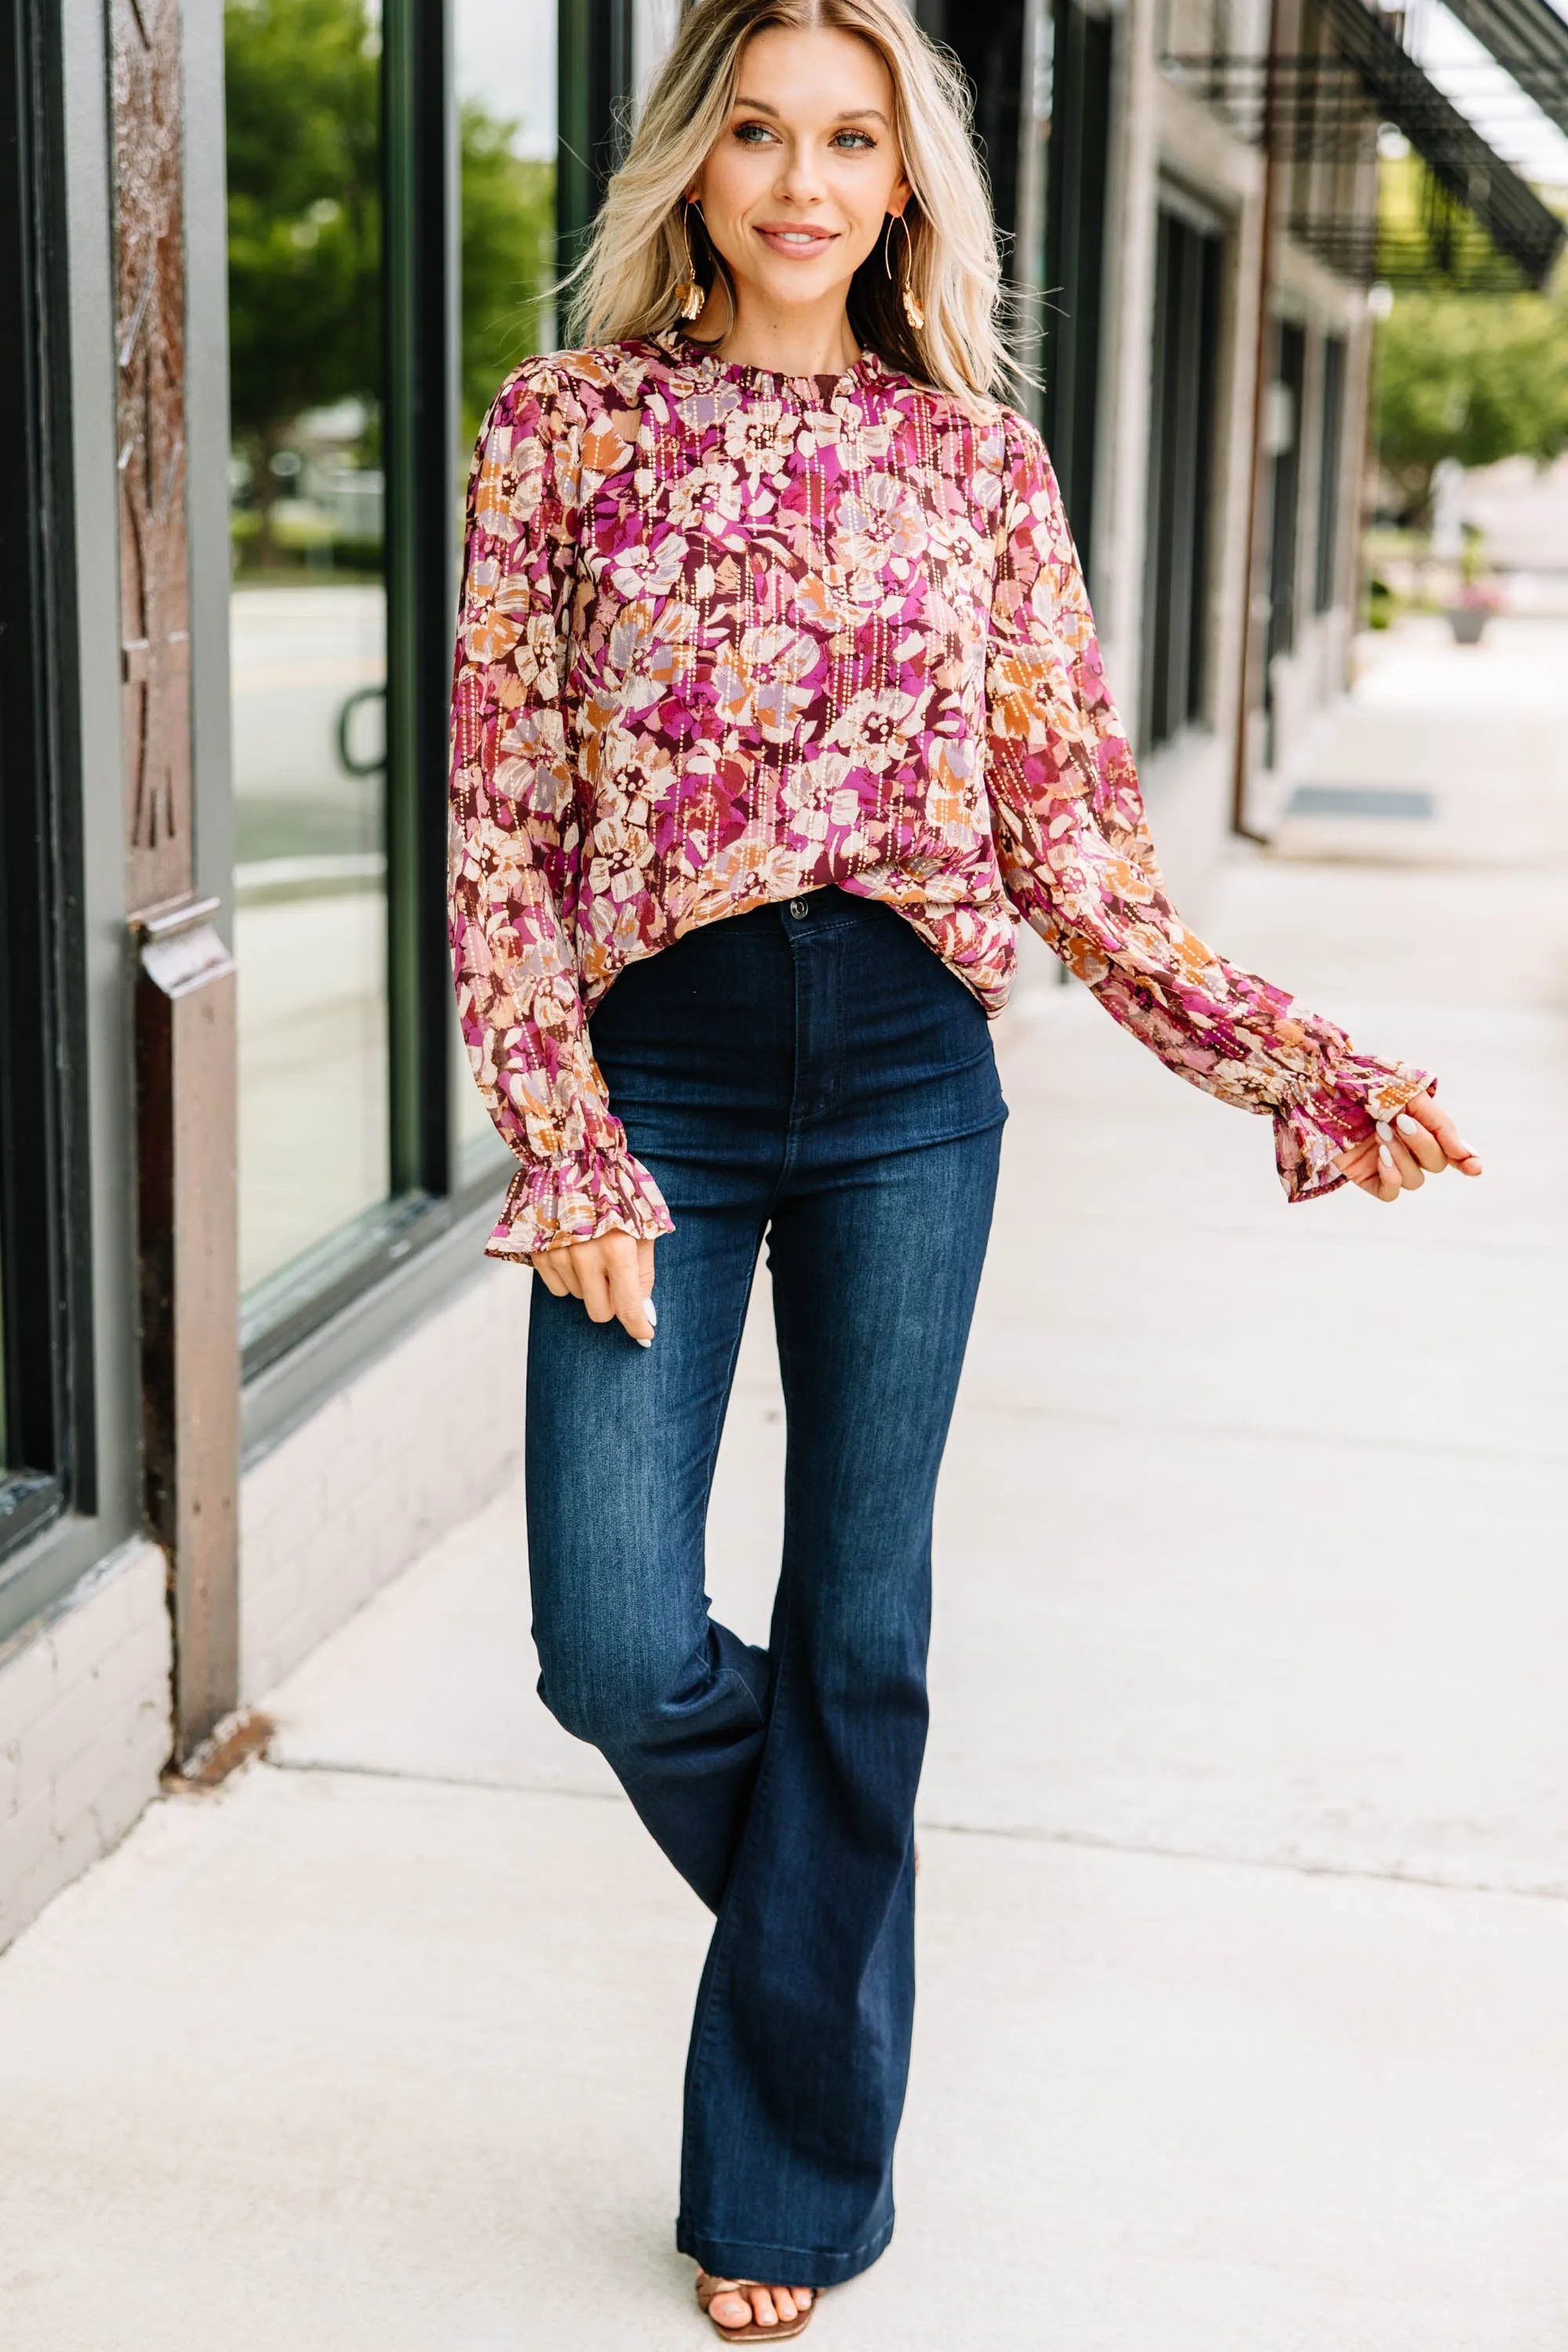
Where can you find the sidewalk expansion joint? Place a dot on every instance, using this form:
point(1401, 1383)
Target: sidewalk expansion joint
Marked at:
point(327, 1767)
point(1289, 1866)
point(1082, 1840)
point(1240, 1434)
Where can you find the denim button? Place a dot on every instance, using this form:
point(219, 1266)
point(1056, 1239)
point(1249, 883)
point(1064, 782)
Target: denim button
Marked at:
point(799, 908)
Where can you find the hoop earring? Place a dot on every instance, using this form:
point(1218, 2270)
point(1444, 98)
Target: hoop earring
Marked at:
point(914, 309)
point(688, 295)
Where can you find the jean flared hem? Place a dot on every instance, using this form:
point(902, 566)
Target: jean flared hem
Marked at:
point(812, 2266)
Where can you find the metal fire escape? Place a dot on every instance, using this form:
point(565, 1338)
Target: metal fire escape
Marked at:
point(1315, 94)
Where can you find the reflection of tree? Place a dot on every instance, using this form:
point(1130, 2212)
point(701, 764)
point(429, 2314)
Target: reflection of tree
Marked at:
point(304, 231)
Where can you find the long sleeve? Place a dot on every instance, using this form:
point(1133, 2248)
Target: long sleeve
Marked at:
point(515, 839)
point(1077, 862)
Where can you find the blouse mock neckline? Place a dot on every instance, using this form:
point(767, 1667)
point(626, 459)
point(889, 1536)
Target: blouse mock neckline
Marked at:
point(865, 369)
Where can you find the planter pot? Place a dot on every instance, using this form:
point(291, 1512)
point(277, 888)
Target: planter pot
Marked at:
point(1468, 622)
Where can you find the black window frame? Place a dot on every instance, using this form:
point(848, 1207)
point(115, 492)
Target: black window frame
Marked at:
point(595, 43)
point(44, 1211)
point(1290, 378)
point(1333, 364)
point(1078, 165)
point(1179, 520)
point(990, 44)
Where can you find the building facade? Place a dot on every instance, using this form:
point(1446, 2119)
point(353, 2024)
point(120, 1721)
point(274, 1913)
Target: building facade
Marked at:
point(265, 263)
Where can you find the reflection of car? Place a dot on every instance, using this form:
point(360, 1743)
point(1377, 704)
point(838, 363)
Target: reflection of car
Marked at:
point(355, 763)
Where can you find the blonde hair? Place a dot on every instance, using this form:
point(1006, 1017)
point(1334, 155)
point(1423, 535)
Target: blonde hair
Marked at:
point(637, 255)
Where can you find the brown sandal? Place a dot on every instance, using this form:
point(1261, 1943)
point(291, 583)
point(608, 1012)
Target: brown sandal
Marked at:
point(706, 2288)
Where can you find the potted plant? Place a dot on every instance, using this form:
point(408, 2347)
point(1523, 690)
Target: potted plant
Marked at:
point(1478, 597)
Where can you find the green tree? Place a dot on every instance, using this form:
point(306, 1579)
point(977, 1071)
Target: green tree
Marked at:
point(1476, 377)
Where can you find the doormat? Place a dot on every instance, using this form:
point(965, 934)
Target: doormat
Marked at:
point(1361, 800)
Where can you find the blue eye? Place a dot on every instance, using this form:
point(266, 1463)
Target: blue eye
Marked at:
point(859, 138)
point(743, 131)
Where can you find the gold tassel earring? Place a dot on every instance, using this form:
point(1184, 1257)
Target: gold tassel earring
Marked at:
point(914, 309)
point(689, 294)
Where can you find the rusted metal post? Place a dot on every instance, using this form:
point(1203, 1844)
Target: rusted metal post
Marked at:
point(186, 1115)
point(184, 995)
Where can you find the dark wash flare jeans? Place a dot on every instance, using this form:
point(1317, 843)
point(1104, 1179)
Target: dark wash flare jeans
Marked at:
point(815, 1075)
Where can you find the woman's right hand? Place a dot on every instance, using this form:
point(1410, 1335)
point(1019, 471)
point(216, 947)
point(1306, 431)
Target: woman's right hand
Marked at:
point(613, 1277)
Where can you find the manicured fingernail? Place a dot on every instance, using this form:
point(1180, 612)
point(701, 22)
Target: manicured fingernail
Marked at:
point(1384, 1130)
point(651, 1311)
point(1385, 1158)
point(643, 1343)
point(1407, 1126)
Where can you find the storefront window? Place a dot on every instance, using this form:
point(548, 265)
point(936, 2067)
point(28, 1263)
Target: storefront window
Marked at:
point(1187, 260)
point(506, 82)
point(307, 629)
point(46, 1239)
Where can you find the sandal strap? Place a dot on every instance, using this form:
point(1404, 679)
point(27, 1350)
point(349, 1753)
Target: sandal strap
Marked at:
point(709, 2289)
point(706, 2288)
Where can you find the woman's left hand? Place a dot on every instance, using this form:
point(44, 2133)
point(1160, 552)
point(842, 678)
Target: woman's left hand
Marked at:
point(1421, 1142)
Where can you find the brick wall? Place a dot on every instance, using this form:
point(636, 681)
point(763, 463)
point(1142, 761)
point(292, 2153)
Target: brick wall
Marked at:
point(84, 1730)
point(418, 1442)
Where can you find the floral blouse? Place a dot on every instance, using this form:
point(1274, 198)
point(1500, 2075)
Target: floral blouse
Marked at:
point(727, 636)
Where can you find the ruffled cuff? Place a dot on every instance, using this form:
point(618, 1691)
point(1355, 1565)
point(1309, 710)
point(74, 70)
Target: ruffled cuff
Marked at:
point(1312, 1131)
point(552, 1201)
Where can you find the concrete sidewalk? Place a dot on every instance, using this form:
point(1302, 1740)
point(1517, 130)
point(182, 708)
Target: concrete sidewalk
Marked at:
point(1244, 1925)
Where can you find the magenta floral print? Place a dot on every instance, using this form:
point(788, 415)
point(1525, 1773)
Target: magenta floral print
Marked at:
point(727, 637)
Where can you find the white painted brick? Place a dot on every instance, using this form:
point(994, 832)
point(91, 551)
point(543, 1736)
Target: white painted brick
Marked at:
point(27, 1687)
point(84, 1713)
point(380, 1534)
point(147, 1661)
point(281, 1596)
point(414, 1445)
point(278, 1523)
point(318, 1442)
point(84, 1637)
point(260, 1667)
point(75, 1791)
point(152, 1731)
point(78, 1844)
point(360, 1468)
point(151, 1647)
point(63, 1859)
point(123, 1798)
point(58, 1738)
point(24, 1838)
point(147, 1591)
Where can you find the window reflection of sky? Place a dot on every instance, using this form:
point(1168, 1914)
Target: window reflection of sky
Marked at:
point(506, 63)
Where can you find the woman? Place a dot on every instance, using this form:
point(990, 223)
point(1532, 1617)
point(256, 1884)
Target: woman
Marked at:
point(777, 702)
